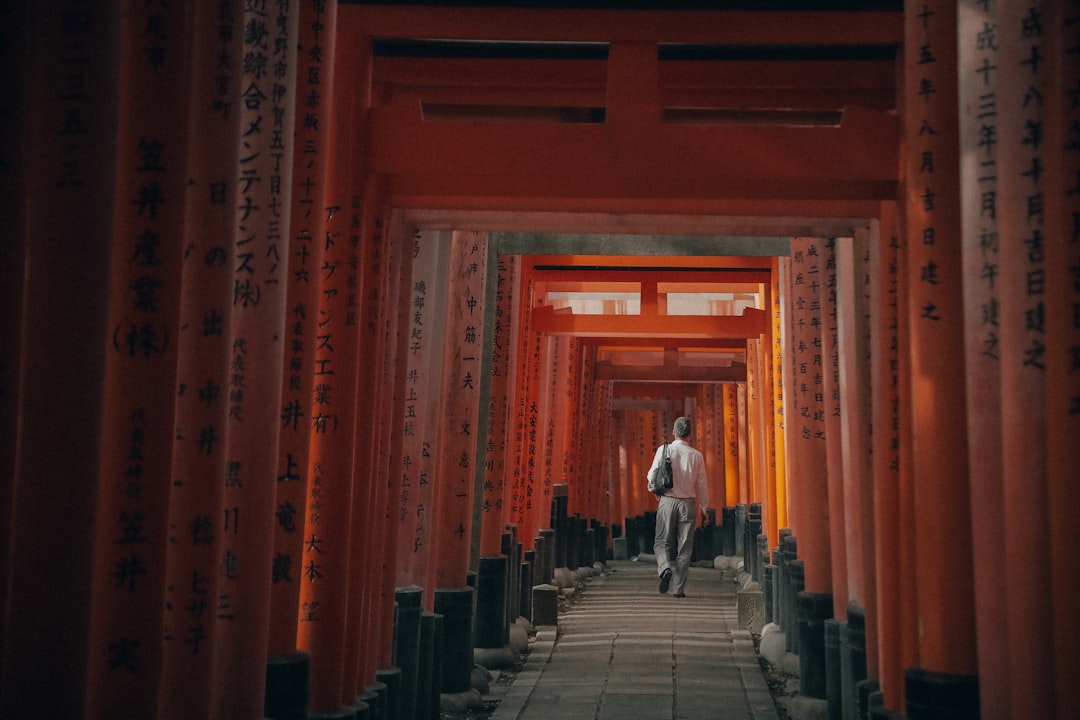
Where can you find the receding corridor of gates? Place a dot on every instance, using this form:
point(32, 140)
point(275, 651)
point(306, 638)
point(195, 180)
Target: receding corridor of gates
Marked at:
point(337, 336)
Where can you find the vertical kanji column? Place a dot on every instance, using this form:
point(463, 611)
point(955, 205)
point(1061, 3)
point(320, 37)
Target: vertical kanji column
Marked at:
point(885, 272)
point(939, 433)
point(978, 45)
point(807, 430)
point(1022, 287)
point(826, 378)
point(324, 565)
point(463, 361)
point(189, 685)
point(496, 498)
point(262, 185)
point(1062, 232)
point(731, 444)
point(63, 167)
point(415, 506)
point(776, 357)
point(315, 95)
point(142, 339)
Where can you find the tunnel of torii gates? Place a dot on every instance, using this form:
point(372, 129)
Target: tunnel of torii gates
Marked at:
point(295, 331)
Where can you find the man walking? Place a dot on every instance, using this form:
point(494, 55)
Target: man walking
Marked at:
point(678, 508)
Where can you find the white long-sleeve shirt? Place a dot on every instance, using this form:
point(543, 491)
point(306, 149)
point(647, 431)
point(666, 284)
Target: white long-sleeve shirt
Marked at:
point(687, 470)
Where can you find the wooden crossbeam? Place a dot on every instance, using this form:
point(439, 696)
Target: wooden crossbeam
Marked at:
point(749, 325)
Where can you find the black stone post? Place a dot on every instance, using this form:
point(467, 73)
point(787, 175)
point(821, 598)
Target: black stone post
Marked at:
point(560, 523)
point(391, 678)
point(740, 532)
point(814, 610)
point(588, 548)
point(647, 528)
point(426, 666)
point(573, 541)
point(456, 607)
point(288, 686)
point(549, 556)
point(526, 585)
point(767, 591)
point(834, 693)
point(438, 649)
point(509, 548)
point(375, 695)
point(492, 630)
point(933, 695)
point(631, 537)
point(789, 550)
point(753, 529)
point(727, 528)
point(715, 535)
point(855, 667)
point(761, 558)
point(407, 645)
point(796, 576)
point(539, 553)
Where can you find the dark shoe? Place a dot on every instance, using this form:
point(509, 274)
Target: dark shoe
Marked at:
point(665, 580)
point(680, 594)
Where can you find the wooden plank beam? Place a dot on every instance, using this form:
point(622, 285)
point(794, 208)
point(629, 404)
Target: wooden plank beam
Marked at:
point(727, 27)
point(750, 324)
point(551, 160)
point(671, 373)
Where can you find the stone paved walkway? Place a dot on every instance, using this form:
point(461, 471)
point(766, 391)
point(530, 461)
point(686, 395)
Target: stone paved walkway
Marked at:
point(625, 652)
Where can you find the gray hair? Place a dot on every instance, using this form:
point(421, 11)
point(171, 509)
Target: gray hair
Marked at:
point(682, 427)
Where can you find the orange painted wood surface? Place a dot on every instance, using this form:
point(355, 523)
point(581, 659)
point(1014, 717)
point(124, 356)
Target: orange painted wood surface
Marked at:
point(807, 430)
point(1062, 371)
point(140, 391)
point(462, 364)
point(939, 431)
point(314, 98)
point(1023, 297)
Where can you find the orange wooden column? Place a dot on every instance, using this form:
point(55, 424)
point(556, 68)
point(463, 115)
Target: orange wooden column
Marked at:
point(65, 173)
point(137, 430)
point(981, 266)
point(806, 431)
point(942, 536)
point(526, 409)
point(195, 503)
point(497, 485)
point(1062, 232)
point(385, 303)
point(853, 365)
point(711, 443)
point(414, 511)
point(315, 94)
point(325, 562)
point(779, 517)
point(262, 196)
point(1018, 99)
point(456, 470)
point(731, 444)
point(885, 272)
point(827, 380)
point(755, 423)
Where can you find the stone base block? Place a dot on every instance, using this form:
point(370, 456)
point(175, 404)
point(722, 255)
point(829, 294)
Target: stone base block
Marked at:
point(751, 605)
point(545, 601)
point(618, 549)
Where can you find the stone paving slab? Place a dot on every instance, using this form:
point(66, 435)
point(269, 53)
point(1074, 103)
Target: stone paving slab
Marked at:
point(623, 651)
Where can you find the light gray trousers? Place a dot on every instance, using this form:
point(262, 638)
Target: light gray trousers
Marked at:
point(676, 520)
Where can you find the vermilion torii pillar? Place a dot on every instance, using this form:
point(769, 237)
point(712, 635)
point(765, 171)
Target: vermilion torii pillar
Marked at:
point(137, 438)
point(805, 399)
point(195, 503)
point(939, 455)
point(978, 48)
point(315, 96)
point(414, 511)
point(456, 468)
point(1019, 94)
point(1062, 232)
